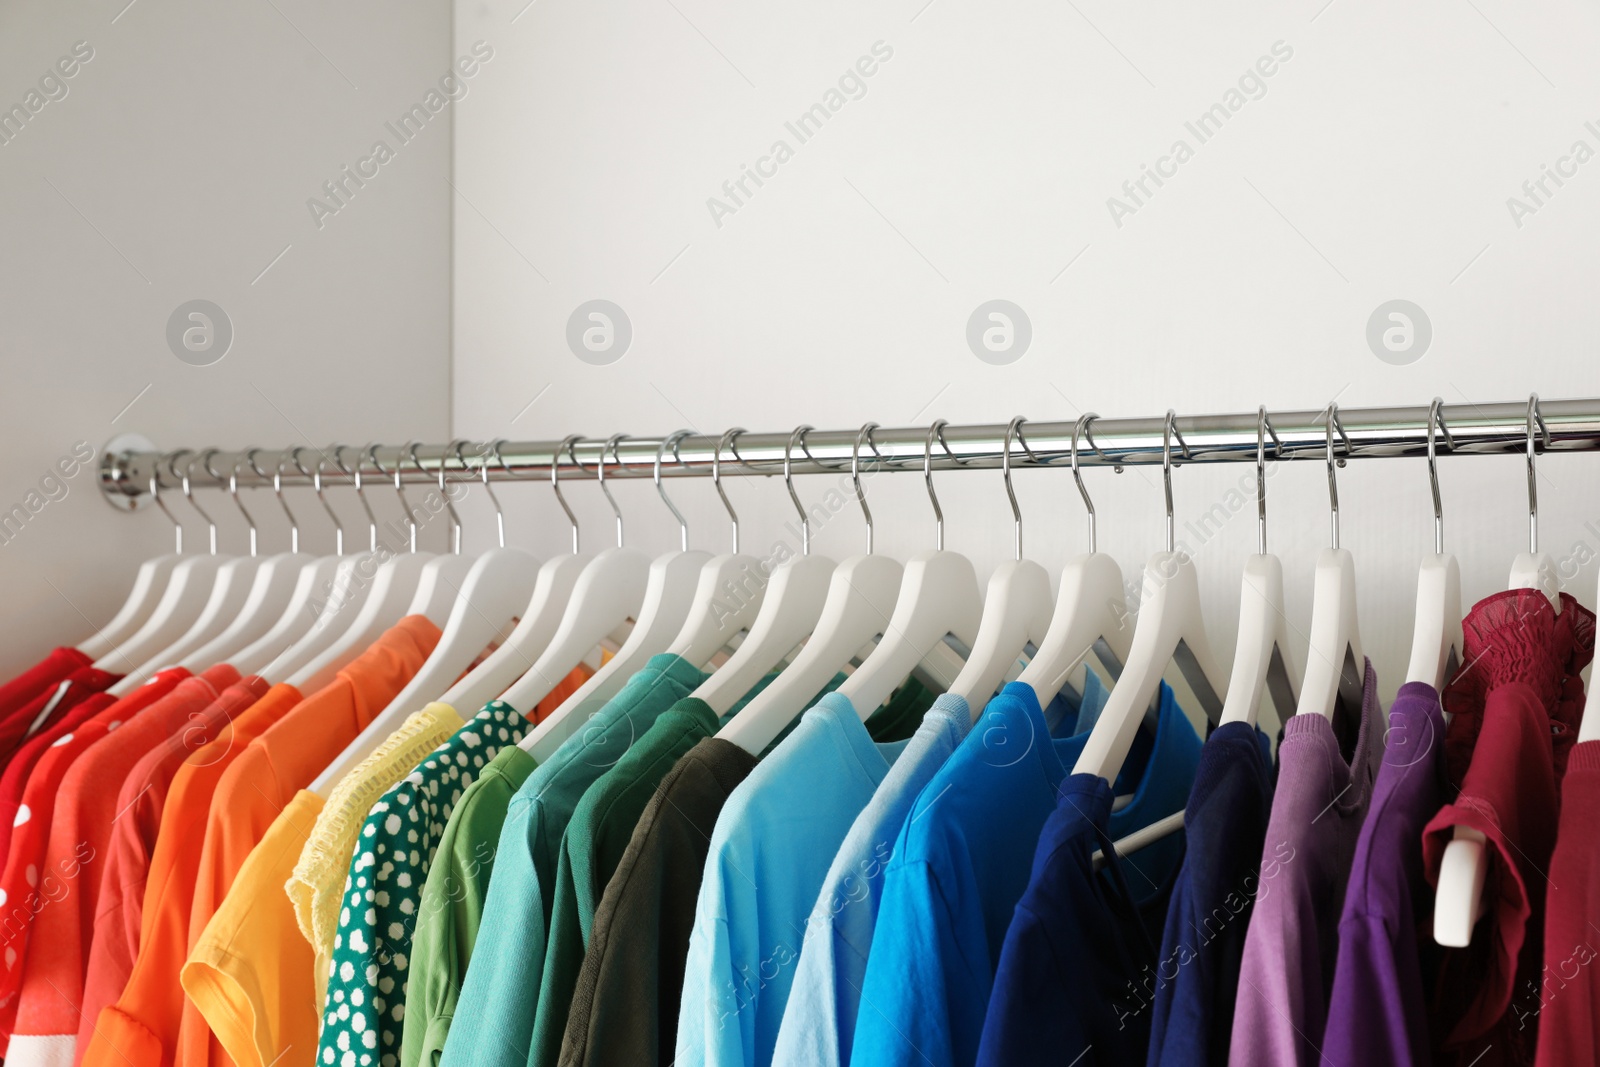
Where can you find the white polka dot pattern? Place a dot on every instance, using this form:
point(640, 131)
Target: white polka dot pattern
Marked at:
point(364, 1010)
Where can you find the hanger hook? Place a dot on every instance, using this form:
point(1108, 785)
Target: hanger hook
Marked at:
point(555, 481)
point(1169, 430)
point(1014, 429)
point(233, 491)
point(672, 439)
point(316, 485)
point(727, 441)
point(610, 444)
point(370, 452)
point(411, 517)
point(1263, 431)
point(155, 494)
point(864, 434)
point(188, 473)
point(277, 489)
point(799, 436)
point(1535, 422)
point(1333, 424)
point(936, 430)
point(483, 473)
point(411, 450)
point(444, 490)
point(1082, 426)
point(1436, 423)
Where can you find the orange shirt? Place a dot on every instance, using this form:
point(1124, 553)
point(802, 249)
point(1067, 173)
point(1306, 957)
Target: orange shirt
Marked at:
point(267, 774)
point(118, 921)
point(46, 1029)
point(141, 1028)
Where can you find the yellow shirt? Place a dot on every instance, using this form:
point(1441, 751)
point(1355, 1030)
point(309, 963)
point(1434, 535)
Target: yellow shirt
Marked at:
point(238, 972)
point(316, 887)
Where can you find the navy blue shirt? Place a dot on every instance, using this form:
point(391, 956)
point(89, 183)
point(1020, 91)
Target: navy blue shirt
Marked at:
point(1070, 986)
point(1197, 973)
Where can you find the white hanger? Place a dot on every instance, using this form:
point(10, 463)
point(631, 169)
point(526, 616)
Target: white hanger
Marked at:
point(187, 591)
point(1436, 637)
point(1334, 664)
point(793, 602)
point(148, 586)
point(1261, 658)
point(552, 592)
point(1016, 608)
point(496, 586)
point(224, 601)
point(389, 584)
point(1464, 867)
point(938, 597)
point(731, 589)
point(275, 580)
point(861, 597)
point(1091, 612)
point(1171, 628)
point(656, 594)
point(320, 573)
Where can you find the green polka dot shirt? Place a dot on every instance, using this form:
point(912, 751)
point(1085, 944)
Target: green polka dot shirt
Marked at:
point(363, 1014)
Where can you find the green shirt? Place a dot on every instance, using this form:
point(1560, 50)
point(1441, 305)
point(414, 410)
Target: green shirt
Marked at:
point(593, 845)
point(452, 905)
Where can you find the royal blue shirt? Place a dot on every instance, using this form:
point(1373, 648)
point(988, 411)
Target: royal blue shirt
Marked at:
point(1072, 985)
point(962, 863)
point(1197, 973)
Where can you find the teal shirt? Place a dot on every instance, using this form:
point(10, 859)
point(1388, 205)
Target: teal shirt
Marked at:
point(591, 849)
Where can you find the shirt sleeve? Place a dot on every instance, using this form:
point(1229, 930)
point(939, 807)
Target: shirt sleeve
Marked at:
point(811, 1032)
point(1371, 1017)
point(709, 1026)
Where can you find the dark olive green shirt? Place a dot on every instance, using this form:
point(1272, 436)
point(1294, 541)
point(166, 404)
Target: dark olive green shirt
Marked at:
point(591, 849)
point(625, 1003)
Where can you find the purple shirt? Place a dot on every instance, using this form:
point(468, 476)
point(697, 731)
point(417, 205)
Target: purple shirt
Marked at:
point(1324, 786)
point(1379, 1010)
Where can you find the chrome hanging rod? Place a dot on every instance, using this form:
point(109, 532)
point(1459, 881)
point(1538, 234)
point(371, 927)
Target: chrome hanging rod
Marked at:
point(1573, 426)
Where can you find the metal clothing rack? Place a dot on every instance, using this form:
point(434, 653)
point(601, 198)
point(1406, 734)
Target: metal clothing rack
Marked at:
point(129, 464)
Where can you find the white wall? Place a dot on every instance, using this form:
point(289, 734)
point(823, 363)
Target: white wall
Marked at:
point(178, 165)
point(1375, 164)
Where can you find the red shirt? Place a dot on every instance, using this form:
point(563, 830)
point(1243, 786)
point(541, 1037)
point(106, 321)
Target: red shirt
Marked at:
point(52, 981)
point(23, 893)
point(77, 699)
point(1514, 710)
point(36, 679)
point(22, 691)
point(1569, 1015)
point(119, 916)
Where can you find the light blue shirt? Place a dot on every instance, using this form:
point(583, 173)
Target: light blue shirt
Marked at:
point(819, 1021)
point(961, 864)
point(770, 852)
